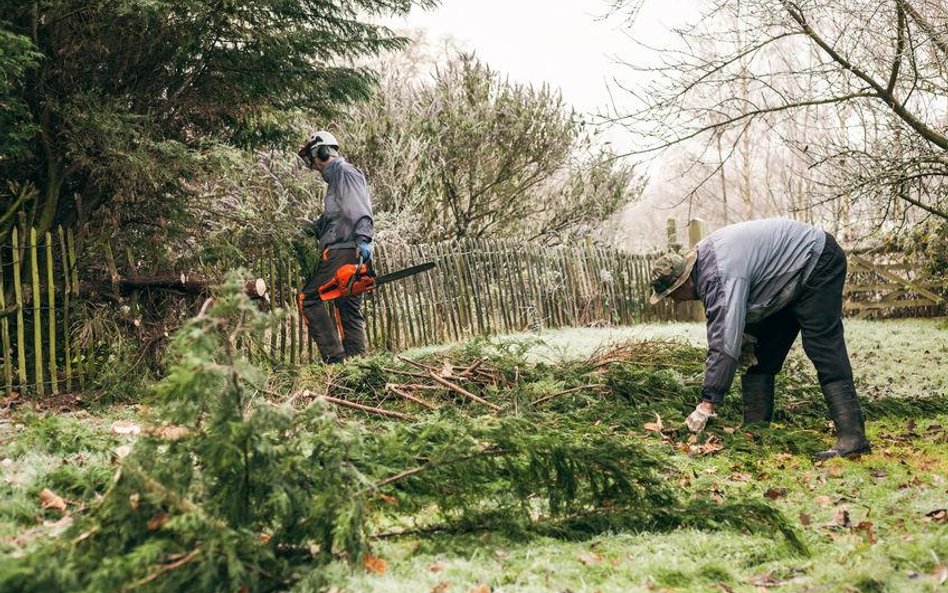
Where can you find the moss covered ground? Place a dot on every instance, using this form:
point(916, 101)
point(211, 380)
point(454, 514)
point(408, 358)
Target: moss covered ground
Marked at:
point(875, 524)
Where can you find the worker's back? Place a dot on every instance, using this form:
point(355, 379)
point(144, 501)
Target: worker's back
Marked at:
point(773, 256)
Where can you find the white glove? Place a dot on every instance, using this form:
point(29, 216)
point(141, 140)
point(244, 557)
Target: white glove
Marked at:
point(698, 419)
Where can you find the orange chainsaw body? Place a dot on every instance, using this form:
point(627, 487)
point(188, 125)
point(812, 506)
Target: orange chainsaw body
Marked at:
point(349, 280)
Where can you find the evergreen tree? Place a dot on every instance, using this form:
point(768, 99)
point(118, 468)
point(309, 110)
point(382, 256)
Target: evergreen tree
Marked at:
point(118, 103)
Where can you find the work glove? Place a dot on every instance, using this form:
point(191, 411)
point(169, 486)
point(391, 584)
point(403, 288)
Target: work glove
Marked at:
point(748, 356)
point(698, 419)
point(365, 250)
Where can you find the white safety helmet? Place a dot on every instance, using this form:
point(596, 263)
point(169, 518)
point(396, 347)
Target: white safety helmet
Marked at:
point(323, 138)
point(313, 149)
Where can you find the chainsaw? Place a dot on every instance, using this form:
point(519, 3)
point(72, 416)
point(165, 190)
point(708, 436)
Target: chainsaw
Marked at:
point(359, 278)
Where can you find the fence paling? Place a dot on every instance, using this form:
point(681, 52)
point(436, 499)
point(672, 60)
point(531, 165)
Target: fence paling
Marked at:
point(37, 313)
point(18, 297)
point(66, 289)
point(51, 314)
point(5, 334)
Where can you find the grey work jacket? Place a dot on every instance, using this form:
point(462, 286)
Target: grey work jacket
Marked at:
point(347, 217)
point(744, 273)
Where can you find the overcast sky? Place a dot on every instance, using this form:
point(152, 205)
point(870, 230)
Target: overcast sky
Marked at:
point(572, 45)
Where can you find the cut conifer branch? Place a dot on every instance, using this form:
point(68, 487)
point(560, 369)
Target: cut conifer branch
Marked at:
point(464, 392)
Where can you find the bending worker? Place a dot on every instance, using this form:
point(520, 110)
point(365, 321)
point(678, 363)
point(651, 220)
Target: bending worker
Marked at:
point(345, 233)
point(772, 279)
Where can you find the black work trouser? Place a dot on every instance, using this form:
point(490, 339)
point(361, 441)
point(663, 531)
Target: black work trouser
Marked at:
point(337, 328)
point(816, 314)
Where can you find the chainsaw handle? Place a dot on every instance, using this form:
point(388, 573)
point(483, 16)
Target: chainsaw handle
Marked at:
point(357, 275)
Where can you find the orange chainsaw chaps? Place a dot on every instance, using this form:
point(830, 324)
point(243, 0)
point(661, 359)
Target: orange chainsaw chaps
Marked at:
point(339, 286)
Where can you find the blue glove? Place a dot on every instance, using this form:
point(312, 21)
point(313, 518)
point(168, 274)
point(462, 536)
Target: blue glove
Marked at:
point(365, 250)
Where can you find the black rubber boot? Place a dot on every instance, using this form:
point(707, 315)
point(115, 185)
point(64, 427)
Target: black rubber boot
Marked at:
point(758, 392)
point(847, 416)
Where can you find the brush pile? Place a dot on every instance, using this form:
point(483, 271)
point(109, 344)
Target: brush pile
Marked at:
point(259, 486)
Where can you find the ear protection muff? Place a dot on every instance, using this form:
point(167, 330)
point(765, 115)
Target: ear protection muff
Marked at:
point(323, 153)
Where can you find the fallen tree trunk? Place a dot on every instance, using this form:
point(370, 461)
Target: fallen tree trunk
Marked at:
point(184, 283)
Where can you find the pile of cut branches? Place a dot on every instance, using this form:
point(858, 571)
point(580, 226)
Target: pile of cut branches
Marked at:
point(253, 494)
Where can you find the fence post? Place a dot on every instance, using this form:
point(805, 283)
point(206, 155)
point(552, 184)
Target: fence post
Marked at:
point(696, 232)
point(5, 334)
point(671, 231)
point(51, 314)
point(67, 288)
point(18, 295)
point(37, 316)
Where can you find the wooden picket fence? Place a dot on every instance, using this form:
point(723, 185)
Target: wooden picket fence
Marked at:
point(35, 325)
point(483, 287)
point(478, 287)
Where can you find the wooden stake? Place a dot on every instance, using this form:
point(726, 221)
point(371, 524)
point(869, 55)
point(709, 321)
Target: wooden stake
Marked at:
point(5, 335)
point(18, 296)
point(66, 290)
point(37, 316)
point(51, 313)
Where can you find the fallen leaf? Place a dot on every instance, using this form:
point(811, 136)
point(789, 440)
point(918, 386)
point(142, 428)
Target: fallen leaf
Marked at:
point(740, 477)
point(823, 500)
point(656, 426)
point(501, 554)
point(775, 493)
point(867, 527)
point(265, 537)
point(388, 499)
point(482, 588)
point(941, 574)
point(937, 516)
point(133, 500)
point(123, 451)
point(51, 500)
point(125, 427)
point(374, 564)
point(590, 558)
point(437, 566)
point(447, 370)
point(840, 519)
point(440, 587)
point(805, 519)
point(157, 522)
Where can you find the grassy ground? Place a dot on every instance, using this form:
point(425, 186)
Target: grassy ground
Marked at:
point(871, 525)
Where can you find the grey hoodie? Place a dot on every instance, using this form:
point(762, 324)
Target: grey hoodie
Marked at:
point(347, 217)
point(744, 273)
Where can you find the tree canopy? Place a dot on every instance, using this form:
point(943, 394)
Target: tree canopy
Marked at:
point(468, 153)
point(117, 102)
point(852, 89)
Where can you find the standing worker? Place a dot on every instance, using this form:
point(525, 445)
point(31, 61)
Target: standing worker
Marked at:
point(772, 279)
point(345, 233)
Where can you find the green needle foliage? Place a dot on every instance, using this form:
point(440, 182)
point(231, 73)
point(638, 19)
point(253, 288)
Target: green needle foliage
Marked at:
point(121, 104)
point(250, 495)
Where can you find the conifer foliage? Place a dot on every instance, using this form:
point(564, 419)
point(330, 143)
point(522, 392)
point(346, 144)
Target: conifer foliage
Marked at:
point(231, 490)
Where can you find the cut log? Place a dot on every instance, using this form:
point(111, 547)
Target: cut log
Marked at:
point(184, 283)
